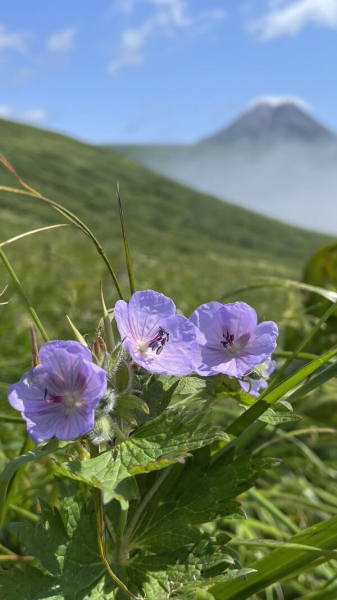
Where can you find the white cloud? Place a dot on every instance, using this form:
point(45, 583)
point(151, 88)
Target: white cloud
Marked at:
point(166, 18)
point(61, 42)
point(290, 19)
point(5, 111)
point(279, 101)
point(13, 40)
point(35, 115)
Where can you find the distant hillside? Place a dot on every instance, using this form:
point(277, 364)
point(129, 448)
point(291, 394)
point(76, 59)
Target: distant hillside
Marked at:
point(275, 159)
point(183, 243)
point(84, 178)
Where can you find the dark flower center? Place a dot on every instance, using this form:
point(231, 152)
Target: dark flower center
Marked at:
point(158, 342)
point(50, 398)
point(228, 340)
point(69, 400)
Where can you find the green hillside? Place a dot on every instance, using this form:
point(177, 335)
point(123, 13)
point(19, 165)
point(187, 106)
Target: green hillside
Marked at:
point(185, 244)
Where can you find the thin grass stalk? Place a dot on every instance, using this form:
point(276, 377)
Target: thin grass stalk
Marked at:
point(303, 343)
point(65, 212)
point(131, 275)
point(22, 235)
point(23, 295)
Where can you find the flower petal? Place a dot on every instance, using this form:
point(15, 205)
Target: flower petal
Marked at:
point(122, 320)
point(146, 309)
point(94, 384)
point(254, 387)
point(263, 341)
point(179, 355)
point(30, 389)
point(55, 422)
point(206, 321)
point(238, 318)
point(58, 357)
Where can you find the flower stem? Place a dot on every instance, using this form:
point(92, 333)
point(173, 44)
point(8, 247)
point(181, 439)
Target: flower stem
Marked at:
point(23, 295)
point(94, 451)
point(121, 549)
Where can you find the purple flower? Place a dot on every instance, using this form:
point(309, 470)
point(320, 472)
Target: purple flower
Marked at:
point(230, 340)
point(254, 386)
point(58, 397)
point(157, 338)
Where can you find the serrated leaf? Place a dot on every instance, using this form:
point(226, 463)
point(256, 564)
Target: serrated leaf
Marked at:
point(30, 584)
point(223, 384)
point(158, 396)
point(155, 445)
point(279, 414)
point(194, 496)
point(191, 385)
point(68, 550)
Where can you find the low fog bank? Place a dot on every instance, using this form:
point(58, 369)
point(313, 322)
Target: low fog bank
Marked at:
point(293, 182)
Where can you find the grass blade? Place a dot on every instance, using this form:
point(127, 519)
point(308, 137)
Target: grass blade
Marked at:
point(23, 295)
point(12, 467)
point(282, 563)
point(304, 342)
point(126, 245)
point(286, 283)
point(272, 396)
point(65, 212)
point(22, 235)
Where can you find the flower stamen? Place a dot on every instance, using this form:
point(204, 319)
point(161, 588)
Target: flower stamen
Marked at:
point(158, 342)
point(228, 341)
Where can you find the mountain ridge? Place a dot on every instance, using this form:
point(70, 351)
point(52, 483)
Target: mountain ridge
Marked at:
point(269, 122)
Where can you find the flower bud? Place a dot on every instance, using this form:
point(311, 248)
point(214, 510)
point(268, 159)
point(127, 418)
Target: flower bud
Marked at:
point(108, 402)
point(99, 350)
point(102, 431)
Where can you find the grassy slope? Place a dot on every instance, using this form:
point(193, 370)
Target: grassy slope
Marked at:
point(184, 243)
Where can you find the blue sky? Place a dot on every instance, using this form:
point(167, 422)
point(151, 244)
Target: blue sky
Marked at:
point(162, 70)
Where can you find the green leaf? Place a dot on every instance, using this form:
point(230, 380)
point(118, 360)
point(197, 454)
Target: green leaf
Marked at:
point(191, 385)
point(279, 414)
point(158, 396)
point(10, 469)
point(282, 563)
point(69, 549)
point(253, 413)
point(166, 440)
point(30, 584)
point(181, 572)
point(131, 402)
point(193, 496)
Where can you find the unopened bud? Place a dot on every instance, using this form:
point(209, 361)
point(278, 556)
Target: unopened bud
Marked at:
point(108, 402)
point(99, 349)
point(102, 431)
point(124, 377)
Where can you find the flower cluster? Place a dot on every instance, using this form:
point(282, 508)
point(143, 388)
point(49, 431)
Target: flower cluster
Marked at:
point(58, 397)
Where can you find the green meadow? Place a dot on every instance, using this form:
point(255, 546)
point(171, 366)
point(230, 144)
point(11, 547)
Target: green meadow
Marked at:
point(185, 244)
point(193, 248)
